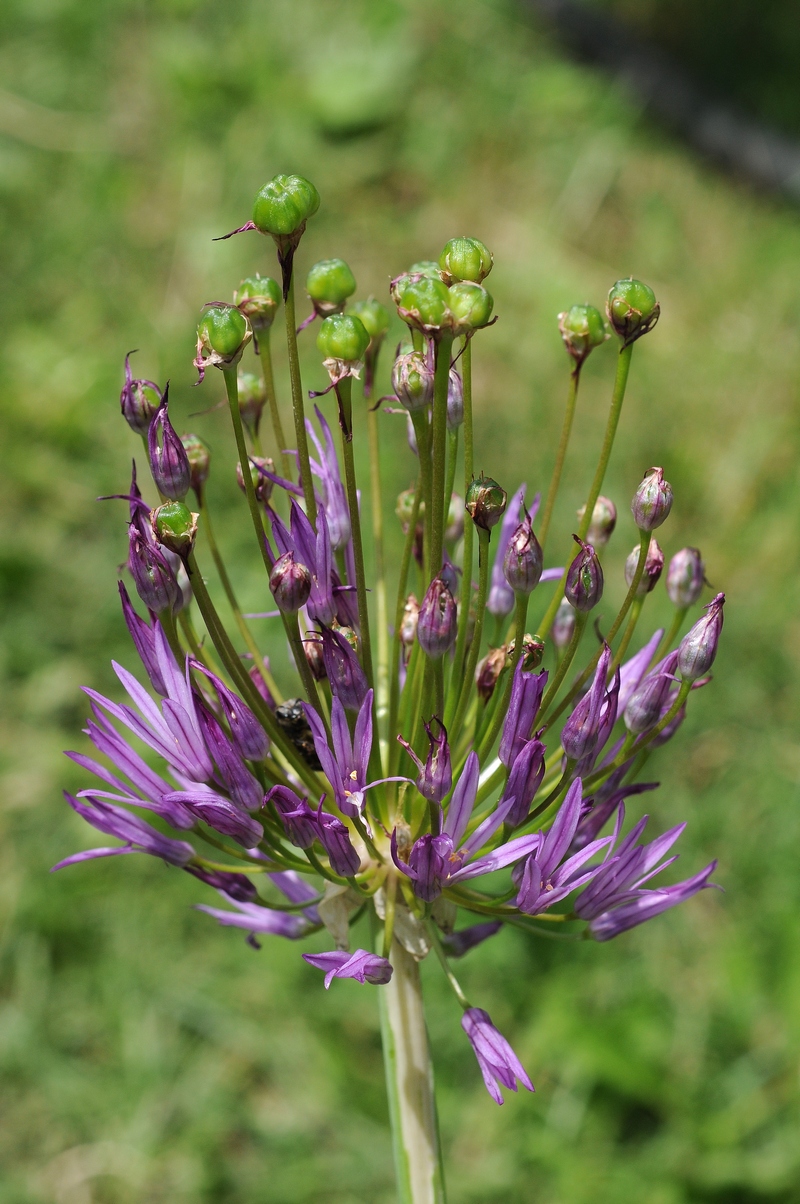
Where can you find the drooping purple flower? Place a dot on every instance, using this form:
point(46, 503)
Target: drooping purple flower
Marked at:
point(501, 596)
point(247, 734)
point(435, 776)
point(255, 918)
point(144, 640)
point(362, 966)
point(335, 839)
point(456, 944)
point(139, 836)
point(634, 669)
point(221, 814)
point(698, 648)
point(541, 878)
point(137, 408)
point(299, 819)
point(524, 780)
point(235, 886)
point(523, 707)
point(290, 583)
point(169, 463)
point(649, 903)
point(155, 581)
point(646, 704)
point(348, 680)
point(497, 1060)
point(581, 731)
point(332, 494)
point(231, 771)
point(604, 805)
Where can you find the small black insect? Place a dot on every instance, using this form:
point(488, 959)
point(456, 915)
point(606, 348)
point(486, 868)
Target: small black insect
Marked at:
point(291, 719)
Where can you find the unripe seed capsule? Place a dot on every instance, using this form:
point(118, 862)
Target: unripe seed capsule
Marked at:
point(284, 205)
point(199, 458)
point(632, 309)
point(584, 587)
point(290, 583)
point(329, 283)
point(422, 302)
point(471, 306)
point(485, 502)
point(412, 381)
point(343, 337)
point(258, 298)
point(582, 329)
point(175, 526)
point(465, 259)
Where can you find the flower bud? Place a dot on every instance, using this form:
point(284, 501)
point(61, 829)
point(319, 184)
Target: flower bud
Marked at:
point(404, 507)
point(284, 205)
point(290, 583)
point(685, 577)
point(408, 626)
point(262, 485)
point(422, 302)
point(454, 527)
point(312, 646)
point(412, 381)
point(647, 701)
point(348, 681)
point(563, 627)
point(652, 501)
point(523, 561)
point(604, 520)
point(438, 620)
point(632, 309)
point(487, 673)
point(374, 316)
point(465, 259)
point(175, 526)
point(199, 458)
point(485, 502)
point(584, 587)
point(698, 647)
point(258, 298)
point(471, 306)
point(582, 329)
point(455, 401)
point(252, 399)
point(152, 574)
point(139, 400)
point(329, 283)
point(343, 337)
point(169, 463)
point(653, 567)
point(532, 649)
point(222, 335)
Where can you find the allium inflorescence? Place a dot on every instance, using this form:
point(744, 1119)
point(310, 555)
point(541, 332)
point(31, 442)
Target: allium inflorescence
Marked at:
point(426, 766)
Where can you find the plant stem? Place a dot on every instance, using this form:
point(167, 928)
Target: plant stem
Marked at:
point(452, 457)
point(232, 389)
point(500, 705)
point(382, 675)
point(298, 409)
point(669, 638)
point(409, 1084)
point(566, 431)
point(469, 529)
point(422, 431)
point(344, 391)
point(636, 610)
point(561, 671)
point(617, 398)
point(474, 649)
point(265, 355)
point(394, 681)
point(439, 430)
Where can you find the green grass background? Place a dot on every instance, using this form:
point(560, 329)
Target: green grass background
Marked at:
point(145, 1054)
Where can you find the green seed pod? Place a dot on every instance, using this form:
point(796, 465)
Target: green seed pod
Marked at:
point(425, 267)
point(258, 297)
point(485, 502)
point(329, 283)
point(465, 259)
point(632, 309)
point(175, 527)
point(343, 337)
point(252, 399)
point(199, 458)
point(284, 205)
point(222, 335)
point(422, 302)
point(532, 651)
point(404, 507)
point(471, 306)
point(582, 329)
point(374, 316)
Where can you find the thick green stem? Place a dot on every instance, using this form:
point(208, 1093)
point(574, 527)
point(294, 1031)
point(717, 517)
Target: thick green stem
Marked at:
point(265, 355)
point(617, 398)
point(344, 392)
point(409, 1084)
point(566, 431)
point(469, 529)
point(474, 649)
point(382, 674)
point(439, 456)
point(298, 408)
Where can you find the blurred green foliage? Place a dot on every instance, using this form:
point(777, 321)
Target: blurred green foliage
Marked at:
point(145, 1054)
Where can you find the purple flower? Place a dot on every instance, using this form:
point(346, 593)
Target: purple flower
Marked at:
point(614, 900)
point(345, 767)
point(501, 596)
point(169, 463)
point(436, 776)
point(221, 814)
point(598, 811)
point(361, 965)
point(231, 772)
point(633, 670)
point(646, 704)
point(524, 780)
point(582, 730)
point(438, 861)
point(155, 581)
point(698, 648)
point(253, 917)
point(137, 408)
point(456, 944)
point(139, 836)
point(335, 838)
point(143, 635)
point(299, 819)
point(523, 706)
point(247, 734)
point(437, 625)
point(235, 886)
point(347, 678)
point(541, 878)
point(314, 551)
point(497, 1060)
point(332, 496)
